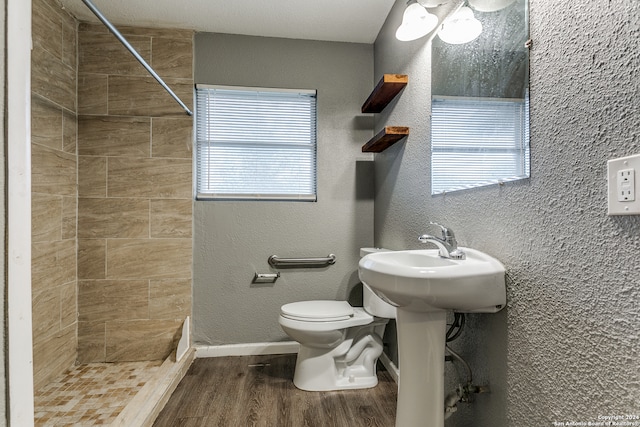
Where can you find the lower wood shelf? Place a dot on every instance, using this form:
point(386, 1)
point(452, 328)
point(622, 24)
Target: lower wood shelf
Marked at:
point(385, 139)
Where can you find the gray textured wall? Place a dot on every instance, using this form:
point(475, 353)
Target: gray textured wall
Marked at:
point(566, 347)
point(3, 283)
point(232, 240)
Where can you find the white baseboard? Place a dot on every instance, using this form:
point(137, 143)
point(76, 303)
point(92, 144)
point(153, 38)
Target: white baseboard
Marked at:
point(250, 349)
point(266, 348)
point(393, 370)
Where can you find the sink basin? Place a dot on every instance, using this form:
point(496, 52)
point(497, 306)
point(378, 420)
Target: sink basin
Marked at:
point(420, 280)
point(423, 286)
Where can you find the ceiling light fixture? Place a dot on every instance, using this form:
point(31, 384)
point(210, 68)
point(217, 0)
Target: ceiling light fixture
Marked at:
point(461, 27)
point(416, 23)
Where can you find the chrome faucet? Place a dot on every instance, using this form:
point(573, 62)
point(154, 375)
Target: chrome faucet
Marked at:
point(447, 245)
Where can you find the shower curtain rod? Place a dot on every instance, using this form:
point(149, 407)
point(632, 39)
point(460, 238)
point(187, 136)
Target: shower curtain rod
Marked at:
point(135, 53)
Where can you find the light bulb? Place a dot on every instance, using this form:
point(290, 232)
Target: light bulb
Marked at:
point(416, 23)
point(461, 27)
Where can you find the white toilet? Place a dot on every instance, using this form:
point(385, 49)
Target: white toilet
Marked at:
point(339, 344)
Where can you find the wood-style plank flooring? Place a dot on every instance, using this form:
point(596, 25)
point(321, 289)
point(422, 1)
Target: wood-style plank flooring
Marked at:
point(258, 391)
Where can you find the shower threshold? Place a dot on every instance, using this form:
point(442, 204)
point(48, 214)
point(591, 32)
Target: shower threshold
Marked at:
point(115, 394)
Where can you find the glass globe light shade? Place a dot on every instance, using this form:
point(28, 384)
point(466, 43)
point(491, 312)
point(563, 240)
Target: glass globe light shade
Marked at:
point(462, 27)
point(416, 23)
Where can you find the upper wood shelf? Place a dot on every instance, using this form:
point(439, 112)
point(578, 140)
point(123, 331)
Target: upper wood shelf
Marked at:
point(388, 87)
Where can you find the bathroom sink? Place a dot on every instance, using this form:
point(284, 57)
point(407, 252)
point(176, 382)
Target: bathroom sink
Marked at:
point(421, 280)
point(423, 286)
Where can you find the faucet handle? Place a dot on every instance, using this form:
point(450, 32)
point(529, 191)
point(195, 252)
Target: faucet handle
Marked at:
point(447, 233)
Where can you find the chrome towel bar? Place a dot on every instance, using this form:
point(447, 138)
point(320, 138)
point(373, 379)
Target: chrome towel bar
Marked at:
point(276, 261)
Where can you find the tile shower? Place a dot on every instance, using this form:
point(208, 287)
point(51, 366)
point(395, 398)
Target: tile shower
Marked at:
point(111, 193)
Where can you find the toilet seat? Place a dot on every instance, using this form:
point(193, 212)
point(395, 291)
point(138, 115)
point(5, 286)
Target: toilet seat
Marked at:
point(318, 311)
point(359, 318)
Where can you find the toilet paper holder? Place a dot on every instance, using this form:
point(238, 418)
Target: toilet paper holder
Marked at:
point(265, 277)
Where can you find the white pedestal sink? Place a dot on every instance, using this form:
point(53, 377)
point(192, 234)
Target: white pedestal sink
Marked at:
point(423, 286)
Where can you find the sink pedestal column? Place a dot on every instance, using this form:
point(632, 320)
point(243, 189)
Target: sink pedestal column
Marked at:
point(421, 346)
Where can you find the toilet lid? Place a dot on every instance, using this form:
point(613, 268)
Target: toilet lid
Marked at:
point(318, 311)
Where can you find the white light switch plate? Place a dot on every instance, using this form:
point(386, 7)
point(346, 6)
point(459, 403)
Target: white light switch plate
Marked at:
point(622, 177)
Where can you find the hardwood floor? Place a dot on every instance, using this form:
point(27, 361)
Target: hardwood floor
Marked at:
point(259, 391)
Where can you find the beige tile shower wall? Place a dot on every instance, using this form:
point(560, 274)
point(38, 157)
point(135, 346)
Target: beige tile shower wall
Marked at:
point(135, 194)
point(54, 190)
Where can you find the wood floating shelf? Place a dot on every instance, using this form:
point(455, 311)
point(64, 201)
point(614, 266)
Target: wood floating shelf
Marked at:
point(385, 139)
point(387, 89)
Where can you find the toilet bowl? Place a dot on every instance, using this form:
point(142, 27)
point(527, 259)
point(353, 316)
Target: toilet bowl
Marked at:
point(339, 344)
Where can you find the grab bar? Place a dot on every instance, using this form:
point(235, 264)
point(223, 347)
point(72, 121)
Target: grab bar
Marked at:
point(275, 261)
point(92, 7)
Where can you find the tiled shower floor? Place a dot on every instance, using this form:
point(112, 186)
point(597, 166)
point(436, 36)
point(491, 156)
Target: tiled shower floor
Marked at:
point(92, 394)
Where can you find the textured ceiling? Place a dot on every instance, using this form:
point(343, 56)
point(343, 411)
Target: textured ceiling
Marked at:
point(355, 21)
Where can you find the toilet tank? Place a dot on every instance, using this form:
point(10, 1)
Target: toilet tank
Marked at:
point(372, 303)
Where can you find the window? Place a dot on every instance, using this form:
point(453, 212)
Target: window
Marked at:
point(255, 143)
point(478, 142)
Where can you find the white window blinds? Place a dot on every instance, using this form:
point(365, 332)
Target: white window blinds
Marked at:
point(478, 142)
point(255, 143)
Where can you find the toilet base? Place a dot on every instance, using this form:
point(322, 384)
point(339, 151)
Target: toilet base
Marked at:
point(351, 365)
point(342, 384)
point(328, 382)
